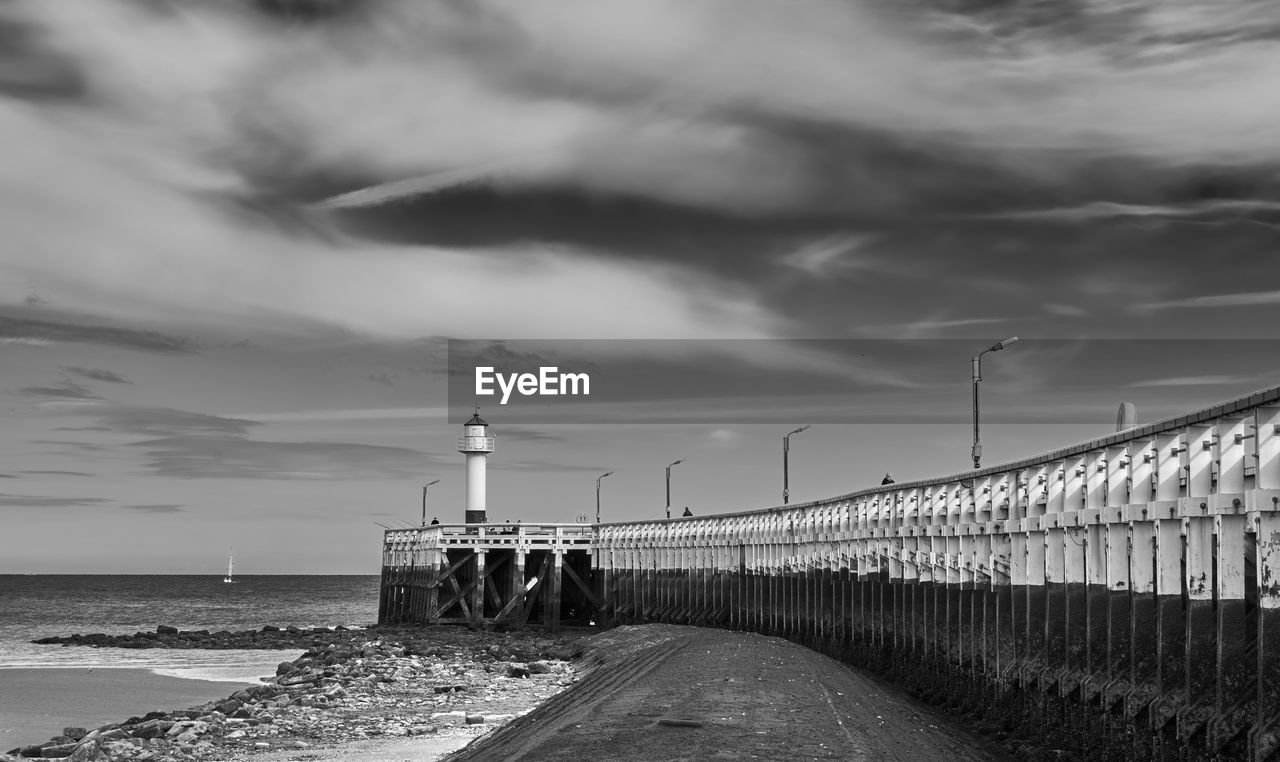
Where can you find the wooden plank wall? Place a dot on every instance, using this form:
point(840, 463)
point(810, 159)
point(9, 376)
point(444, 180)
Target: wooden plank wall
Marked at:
point(1120, 597)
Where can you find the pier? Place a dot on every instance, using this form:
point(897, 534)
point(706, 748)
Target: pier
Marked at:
point(1124, 590)
point(495, 575)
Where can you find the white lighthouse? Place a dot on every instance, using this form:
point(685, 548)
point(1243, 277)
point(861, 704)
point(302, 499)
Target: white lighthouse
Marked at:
point(476, 444)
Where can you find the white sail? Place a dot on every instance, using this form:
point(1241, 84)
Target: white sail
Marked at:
point(231, 565)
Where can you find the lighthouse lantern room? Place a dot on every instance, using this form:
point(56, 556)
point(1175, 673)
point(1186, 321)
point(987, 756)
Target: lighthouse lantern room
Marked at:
point(476, 443)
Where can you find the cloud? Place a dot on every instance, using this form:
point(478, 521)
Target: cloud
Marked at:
point(94, 374)
point(36, 501)
point(232, 457)
point(1193, 381)
point(1247, 299)
point(58, 473)
point(7, 476)
point(157, 421)
point(358, 414)
point(1065, 310)
point(196, 149)
point(825, 257)
point(67, 390)
point(926, 329)
point(40, 332)
point(723, 436)
point(154, 508)
point(380, 378)
point(520, 434)
point(1101, 210)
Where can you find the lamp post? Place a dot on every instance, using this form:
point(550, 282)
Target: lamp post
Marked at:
point(678, 462)
point(977, 379)
point(424, 500)
point(786, 448)
point(598, 478)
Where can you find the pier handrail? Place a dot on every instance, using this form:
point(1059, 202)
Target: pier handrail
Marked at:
point(1235, 407)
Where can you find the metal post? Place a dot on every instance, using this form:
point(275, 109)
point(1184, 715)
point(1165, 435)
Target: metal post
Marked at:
point(786, 450)
point(598, 478)
point(678, 462)
point(424, 500)
point(977, 379)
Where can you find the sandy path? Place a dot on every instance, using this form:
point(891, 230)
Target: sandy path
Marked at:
point(682, 693)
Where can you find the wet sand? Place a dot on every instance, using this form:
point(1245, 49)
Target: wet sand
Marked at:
point(36, 704)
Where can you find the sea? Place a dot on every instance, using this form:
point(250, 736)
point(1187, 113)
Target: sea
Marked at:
point(36, 606)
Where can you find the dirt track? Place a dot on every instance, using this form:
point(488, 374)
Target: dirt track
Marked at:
point(665, 692)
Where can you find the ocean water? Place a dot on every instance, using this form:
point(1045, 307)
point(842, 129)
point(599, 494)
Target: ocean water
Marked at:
point(35, 606)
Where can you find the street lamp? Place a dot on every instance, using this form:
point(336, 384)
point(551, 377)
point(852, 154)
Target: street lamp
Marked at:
point(977, 379)
point(786, 448)
point(598, 478)
point(678, 462)
point(424, 500)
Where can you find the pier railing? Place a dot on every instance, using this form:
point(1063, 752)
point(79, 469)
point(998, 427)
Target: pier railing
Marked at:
point(1130, 583)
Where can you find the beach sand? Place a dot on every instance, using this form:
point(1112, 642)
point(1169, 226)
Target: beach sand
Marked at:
point(36, 704)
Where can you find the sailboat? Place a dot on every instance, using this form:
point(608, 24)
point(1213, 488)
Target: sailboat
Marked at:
point(231, 564)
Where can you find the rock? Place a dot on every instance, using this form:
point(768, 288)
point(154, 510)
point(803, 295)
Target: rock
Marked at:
point(475, 719)
point(151, 728)
point(451, 688)
point(540, 667)
point(261, 745)
point(450, 718)
point(187, 726)
point(517, 670)
point(229, 706)
point(165, 629)
point(57, 751)
point(88, 752)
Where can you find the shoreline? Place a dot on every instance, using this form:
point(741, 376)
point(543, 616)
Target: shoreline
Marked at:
point(36, 703)
point(430, 689)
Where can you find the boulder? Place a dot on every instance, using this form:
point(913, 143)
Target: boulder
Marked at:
point(91, 751)
point(517, 670)
point(165, 629)
point(151, 728)
point(57, 750)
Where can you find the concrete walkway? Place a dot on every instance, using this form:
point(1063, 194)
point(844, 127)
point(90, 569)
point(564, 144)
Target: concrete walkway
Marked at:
point(665, 692)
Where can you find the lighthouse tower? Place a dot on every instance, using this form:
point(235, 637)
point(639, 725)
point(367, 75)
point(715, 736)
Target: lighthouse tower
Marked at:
point(476, 444)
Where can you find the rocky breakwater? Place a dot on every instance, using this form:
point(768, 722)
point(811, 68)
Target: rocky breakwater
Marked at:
point(269, 637)
point(386, 684)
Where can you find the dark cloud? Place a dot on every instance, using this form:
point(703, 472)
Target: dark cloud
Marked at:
point(36, 501)
point(380, 378)
point(156, 421)
point(67, 390)
point(93, 374)
point(58, 473)
point(231, 457)
point(30, 329)
point(154, 508)
point(7, 476)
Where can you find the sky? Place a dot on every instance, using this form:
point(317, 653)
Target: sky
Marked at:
point(238, 237)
